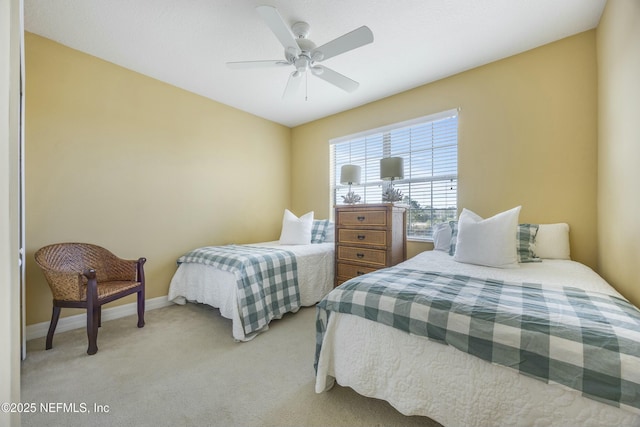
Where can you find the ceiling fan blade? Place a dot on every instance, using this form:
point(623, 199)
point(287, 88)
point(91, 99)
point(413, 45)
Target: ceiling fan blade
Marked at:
point(355, 39)
point(293, 84)
point(256, 64)
point(335, 78)
point(279, 28)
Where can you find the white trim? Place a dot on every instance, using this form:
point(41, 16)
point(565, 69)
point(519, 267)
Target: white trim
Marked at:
point(23, 231)
point(430, 118)
point(77, 321)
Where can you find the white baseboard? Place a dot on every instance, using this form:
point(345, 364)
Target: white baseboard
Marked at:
point(77, 321)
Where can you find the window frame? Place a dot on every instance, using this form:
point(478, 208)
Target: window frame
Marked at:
point(384, 134)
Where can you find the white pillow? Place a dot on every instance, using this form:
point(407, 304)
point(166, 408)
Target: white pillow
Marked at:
point(442, 237)
point(296, 231)
point(491, 242)
point(552, 241)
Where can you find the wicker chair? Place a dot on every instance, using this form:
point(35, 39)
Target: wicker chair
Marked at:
point(87, 276)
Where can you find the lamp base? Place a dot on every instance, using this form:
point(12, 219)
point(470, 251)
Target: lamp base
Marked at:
point(351, 198)
point(392, 195)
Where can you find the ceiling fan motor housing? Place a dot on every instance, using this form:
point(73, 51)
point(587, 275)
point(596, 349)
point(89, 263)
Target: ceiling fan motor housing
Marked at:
point(301, 29)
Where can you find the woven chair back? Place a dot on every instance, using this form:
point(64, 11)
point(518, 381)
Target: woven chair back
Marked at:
point(76, 258)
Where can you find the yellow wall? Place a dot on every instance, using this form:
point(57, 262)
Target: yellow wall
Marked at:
point(618, 42)
point(141, 167)
point(527, 136)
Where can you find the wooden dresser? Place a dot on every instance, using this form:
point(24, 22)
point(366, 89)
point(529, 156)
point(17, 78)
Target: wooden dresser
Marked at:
point(369, 237)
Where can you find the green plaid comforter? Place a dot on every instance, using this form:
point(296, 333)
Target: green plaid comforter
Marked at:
point(267, 280)
point(587, 341)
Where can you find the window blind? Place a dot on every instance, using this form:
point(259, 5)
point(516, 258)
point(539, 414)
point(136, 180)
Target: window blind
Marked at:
point(429, 147)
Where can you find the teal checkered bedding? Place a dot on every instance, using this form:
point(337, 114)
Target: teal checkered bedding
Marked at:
point(586, 341)
point(267, 280)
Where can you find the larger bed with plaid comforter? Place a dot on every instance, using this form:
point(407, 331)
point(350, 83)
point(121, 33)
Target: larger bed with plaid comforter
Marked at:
point(254, 284)
point(547, 344)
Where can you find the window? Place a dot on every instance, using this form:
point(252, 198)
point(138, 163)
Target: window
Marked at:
point(429, 147)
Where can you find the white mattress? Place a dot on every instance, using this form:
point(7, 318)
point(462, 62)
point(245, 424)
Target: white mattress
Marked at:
point(422, 377)
point(209, 285)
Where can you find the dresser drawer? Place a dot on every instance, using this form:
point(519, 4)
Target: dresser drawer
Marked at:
point(374, 257)
point(351, 270)
point(365, 218)
point(362, 237)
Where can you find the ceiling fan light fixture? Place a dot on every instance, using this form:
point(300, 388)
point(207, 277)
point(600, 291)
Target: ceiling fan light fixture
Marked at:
point(317, 56)
point(302, 63)
point(316, 70)
point(290, 55)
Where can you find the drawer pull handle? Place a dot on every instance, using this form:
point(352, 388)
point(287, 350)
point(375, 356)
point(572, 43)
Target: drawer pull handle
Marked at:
point(361, 218)
point(361, 237)
point(359, 255)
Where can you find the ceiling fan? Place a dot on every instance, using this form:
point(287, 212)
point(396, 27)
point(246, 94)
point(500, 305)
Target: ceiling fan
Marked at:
point(303, 54)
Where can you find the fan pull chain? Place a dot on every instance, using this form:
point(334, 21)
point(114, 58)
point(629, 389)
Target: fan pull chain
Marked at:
point(306, 86)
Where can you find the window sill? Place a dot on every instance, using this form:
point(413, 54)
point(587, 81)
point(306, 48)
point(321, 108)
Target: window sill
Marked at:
point(420, 239)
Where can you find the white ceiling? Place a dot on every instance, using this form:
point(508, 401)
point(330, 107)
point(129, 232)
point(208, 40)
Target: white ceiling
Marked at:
point(187, 43)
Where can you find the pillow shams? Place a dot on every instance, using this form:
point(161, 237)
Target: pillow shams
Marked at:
point(454, 236)
point(526, 239)
point(296, 231)
point(490, 242)
point(319, 230)
point(535, 241)
point(442, 237)
point(552, 241)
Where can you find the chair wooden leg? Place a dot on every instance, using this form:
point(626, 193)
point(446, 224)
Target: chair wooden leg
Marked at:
point(140, 309)
point(55, 315)
point(92, 329)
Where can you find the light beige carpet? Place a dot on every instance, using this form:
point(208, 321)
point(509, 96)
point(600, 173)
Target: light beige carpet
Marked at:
point(184, 369)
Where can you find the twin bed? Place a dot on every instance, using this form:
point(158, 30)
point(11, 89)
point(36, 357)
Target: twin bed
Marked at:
point(473, 334)
point(422, 376)
point(257, 283)
point(542, 340)
point(208, 284)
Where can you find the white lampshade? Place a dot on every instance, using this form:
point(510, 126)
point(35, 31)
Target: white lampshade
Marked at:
point(391, 168)
point(350, 174)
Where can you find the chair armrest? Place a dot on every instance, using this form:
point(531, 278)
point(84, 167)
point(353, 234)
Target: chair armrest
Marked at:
point(92, 287)
point(140, 269)
point(65, 286)
point(124, 269)
point(119, 269)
